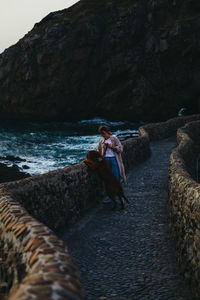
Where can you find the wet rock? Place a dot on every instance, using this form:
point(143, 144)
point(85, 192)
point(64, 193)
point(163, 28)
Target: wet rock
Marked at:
point(11, 173)
point(11, 158)
point(25, 167)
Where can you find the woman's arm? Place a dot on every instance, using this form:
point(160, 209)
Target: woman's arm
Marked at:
point(99, 147)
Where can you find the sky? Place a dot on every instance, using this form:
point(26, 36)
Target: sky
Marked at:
point(17, 17)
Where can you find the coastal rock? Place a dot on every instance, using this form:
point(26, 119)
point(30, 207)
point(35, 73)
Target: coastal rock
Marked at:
point(12, 158)
point(116, 60)
point(11, 173)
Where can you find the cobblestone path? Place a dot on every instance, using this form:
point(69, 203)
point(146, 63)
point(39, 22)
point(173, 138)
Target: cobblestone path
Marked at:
point(129, 254)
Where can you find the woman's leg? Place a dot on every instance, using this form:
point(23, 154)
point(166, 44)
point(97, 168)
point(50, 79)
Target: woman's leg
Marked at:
point(112, 162)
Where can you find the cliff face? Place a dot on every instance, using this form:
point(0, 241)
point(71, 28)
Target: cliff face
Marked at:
point(131, 59)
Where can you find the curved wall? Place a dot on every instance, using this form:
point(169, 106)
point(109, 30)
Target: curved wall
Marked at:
point(158, 131)
point(39, 263)
point(184, 195)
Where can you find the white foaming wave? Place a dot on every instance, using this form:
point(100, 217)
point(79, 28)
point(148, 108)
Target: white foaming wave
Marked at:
point(48, 150)
point(135, 131)
point(39, 167)
point(82, 140)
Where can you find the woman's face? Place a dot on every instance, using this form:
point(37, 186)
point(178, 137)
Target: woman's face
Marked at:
point(105, 134)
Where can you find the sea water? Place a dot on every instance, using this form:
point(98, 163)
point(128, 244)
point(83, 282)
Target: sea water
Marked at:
point(49, 146)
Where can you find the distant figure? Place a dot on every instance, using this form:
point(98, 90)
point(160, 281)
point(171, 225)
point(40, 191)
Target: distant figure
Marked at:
point(111, 148)
point(182, 112)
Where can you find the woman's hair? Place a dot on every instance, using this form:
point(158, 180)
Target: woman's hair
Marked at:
point(103, 128)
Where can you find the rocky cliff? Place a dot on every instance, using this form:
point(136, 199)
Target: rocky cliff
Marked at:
point(131, 59)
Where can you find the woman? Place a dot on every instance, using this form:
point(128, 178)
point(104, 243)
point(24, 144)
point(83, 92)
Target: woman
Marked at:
point(111, 148)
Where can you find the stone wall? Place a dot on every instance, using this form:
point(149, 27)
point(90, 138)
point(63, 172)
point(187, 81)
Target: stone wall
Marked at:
point(184, 194)
point(158, 131)
point(37, 264)
point(64, 195)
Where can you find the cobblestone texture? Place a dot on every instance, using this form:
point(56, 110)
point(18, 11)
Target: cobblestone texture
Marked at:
point(129, 254)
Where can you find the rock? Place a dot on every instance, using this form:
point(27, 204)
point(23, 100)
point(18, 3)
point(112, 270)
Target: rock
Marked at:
point(117, 60)
point(11, 173)
point(25, 167)
point(11, 158)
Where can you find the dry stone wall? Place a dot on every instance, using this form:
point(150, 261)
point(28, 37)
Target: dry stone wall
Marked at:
point(62, 196)
point(37, 262)
point(184, 194)
point(58, 197)
point(158, 131)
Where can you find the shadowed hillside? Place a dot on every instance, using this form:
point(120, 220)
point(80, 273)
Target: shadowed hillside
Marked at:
point(131, 59)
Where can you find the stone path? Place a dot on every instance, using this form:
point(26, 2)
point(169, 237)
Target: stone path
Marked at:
point(129, 254)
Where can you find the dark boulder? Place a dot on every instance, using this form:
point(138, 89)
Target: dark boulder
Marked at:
point(128, 60)
point(11, 173)
point(12, 158)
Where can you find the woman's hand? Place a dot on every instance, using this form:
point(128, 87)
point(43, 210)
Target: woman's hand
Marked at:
point(110, 146)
